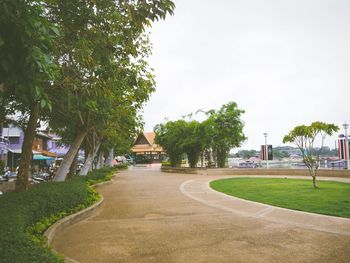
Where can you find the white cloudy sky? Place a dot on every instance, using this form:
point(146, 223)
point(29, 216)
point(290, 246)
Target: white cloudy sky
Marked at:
point(284, 62)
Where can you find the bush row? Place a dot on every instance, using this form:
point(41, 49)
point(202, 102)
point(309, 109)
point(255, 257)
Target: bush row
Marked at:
point(101, 175)
point(24, 216)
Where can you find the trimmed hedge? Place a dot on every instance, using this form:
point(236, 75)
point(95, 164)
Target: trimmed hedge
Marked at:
point(25, 216)
point(101, 175)
point(122, 166)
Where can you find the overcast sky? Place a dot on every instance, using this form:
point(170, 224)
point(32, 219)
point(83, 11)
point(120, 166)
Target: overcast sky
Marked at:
point(284, 62)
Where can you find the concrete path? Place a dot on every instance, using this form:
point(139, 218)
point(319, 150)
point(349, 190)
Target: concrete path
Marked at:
point(149, 216)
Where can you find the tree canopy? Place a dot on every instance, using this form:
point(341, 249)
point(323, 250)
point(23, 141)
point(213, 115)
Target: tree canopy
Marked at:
point(214, 137)
point(27, 69)
point(84, 62)
point(305, 137)
point(225, 130)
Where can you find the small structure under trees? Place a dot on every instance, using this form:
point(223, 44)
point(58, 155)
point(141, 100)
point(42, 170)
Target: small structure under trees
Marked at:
point(145, 150)
point(304, 137)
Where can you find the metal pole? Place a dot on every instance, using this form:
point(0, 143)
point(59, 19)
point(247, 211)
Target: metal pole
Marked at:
point(346, 126)
point(266, 153)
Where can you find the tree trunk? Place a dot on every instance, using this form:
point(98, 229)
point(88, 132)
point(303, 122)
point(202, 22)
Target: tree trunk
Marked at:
point(215, 159)
point(202, 159)
point(109, 160)
point(99, 160)
point(69, 157)
point(314, 182)
point(88, 162)
point(209, 158)
point(313, 173)
point(221, 158)
point(73, 167)
point(26, 155)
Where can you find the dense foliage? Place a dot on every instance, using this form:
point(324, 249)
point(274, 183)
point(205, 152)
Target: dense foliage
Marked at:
point(178, 138)
point(224, 129)
point(212, 138)
point(25, 215)
point(26, 69)
point(101, 175)
point(79, 65)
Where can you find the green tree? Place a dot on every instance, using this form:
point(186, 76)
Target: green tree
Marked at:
point(118, 133)
point(102, 53)
point(218, 134)
point(181, 137)
point(224, 130)
point(304, 137)
point(169, 135)
point(26, 69)
point(192, 142)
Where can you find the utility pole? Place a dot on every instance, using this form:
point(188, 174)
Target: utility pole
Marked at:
point(266, 152)
point(346, 126)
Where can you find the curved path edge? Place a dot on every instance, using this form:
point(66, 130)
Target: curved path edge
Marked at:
point(72, 219)
point(200, 190)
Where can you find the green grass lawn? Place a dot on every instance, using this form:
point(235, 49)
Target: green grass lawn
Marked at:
point(331, 198)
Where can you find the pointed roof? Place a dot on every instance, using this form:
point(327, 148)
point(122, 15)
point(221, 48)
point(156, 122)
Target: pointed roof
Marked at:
point(150, 136)
point(145, 143)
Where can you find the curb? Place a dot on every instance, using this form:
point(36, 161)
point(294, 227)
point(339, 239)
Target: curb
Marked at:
point(72, 219)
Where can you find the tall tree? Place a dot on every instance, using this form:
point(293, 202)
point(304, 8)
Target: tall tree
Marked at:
point(181, 137)
point(26, 69)
point(169, 135)
point(102, 53)
point(224, 130)
point(192, 142)
point(305, 137)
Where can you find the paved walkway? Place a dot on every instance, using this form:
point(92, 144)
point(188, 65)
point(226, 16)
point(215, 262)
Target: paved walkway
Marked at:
point(149, 216)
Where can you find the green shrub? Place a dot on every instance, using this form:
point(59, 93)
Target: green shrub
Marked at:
point(24, 216)
point(101, 175)
point(122, 166)
point(166, 163)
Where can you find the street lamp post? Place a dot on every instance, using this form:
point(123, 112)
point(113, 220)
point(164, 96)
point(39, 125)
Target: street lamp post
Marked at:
point(346, 126)
point(266, 153)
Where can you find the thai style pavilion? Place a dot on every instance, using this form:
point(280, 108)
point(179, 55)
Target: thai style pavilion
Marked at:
point(145, 150)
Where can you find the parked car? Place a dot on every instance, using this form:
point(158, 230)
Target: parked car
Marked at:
point(129, 159)
point(120, 159)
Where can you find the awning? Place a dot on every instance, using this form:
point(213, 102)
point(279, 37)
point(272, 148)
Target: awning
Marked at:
point(19, 151)
point(47, 153)
point(42, 157)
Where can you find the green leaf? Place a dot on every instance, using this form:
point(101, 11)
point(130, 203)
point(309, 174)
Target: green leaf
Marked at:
point(43, 103)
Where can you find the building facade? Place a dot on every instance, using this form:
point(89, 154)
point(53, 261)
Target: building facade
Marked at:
point(144, 149)
point(11, 141)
